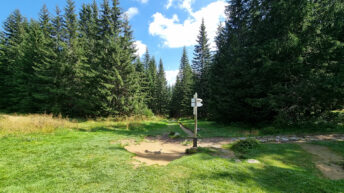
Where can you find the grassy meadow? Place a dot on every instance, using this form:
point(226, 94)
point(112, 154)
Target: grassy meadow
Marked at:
point(214, 129)
point(40, 153)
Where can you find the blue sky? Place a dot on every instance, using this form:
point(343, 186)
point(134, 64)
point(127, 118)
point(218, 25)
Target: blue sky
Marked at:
point(164, 26)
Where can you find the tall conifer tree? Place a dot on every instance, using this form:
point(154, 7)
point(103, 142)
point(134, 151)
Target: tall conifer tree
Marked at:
point(12, 39)
point(162, 98)
point(183, 90)
point(200, 66)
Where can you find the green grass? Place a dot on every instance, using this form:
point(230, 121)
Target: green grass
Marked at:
point(138, 129)
point(91, 159)
point(337, 146)
point(213, 129)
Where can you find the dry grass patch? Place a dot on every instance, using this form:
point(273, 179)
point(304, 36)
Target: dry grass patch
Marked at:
point(24, 124)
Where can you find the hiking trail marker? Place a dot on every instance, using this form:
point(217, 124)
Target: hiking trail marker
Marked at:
point(195, 103)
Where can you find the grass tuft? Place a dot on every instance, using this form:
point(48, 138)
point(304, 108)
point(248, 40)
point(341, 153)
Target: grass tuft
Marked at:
point(243, 148)
point(25, 124)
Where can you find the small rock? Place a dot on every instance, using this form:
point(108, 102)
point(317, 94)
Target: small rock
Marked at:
point(253, 161)
point(242, 138)
point(294, 138)
point(237, 160)
point(285, 139)
point(271, 139)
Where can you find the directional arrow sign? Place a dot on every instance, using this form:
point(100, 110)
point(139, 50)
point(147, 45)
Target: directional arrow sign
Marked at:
point(198, 100)
point(198, 104)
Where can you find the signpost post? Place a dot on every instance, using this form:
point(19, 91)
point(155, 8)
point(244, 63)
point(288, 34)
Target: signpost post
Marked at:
point(195, 103)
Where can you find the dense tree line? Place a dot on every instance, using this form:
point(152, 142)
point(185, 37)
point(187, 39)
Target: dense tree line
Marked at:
point(274, 61)
point(77, 65)
point(278, 61)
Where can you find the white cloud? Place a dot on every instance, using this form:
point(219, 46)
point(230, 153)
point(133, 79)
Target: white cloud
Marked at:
point(186, 4)
point(176, 34)
point(132, 11)
point(183, 4)
point(169, 4)
point(171, 76)
point(143, 1)
point(141, 48)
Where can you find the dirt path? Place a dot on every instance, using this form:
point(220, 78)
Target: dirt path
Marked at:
point(187, 131)
point(328, 162)
point(162, 150)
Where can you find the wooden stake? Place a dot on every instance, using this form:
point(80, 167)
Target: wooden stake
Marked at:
point(195, 112)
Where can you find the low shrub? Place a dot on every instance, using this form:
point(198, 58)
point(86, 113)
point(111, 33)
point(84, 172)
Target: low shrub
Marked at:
point(245, 146)
point(194, 150)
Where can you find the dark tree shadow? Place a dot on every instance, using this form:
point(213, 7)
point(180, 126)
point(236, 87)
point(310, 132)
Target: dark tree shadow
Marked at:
point(302, 176)
point(135, 129)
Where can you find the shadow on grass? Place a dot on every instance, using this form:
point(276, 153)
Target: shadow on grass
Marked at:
point(277, 179)
point(119, 148)
point(160, 157)
point(283, 168)
point(135, 129)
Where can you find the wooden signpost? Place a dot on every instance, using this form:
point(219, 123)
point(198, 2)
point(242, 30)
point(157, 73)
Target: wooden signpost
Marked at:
point(195, 103)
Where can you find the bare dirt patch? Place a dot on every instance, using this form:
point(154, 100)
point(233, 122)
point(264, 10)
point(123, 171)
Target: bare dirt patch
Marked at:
point(160, 151)
point(328, 162)
point(187, 131)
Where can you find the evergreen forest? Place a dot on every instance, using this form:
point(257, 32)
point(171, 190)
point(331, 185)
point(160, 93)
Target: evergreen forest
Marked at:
point(274, 62)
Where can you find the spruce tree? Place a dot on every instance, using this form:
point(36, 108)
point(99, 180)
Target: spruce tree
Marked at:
point(200, 66)
point(12, 39)
point(183, 90)
point(142, 78)
point(72, 61)
point(175, 103)
point(146, 59)
point(3, 74)
point(129, 100)
point(88, 71)
point(162, 98)
point(40, 55)
point(151, 74)
point(60, 48)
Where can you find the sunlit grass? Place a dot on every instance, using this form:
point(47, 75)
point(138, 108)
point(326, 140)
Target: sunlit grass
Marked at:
point(214, 129)
point(25, 124)
point(47, 123)
point(88, 156)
